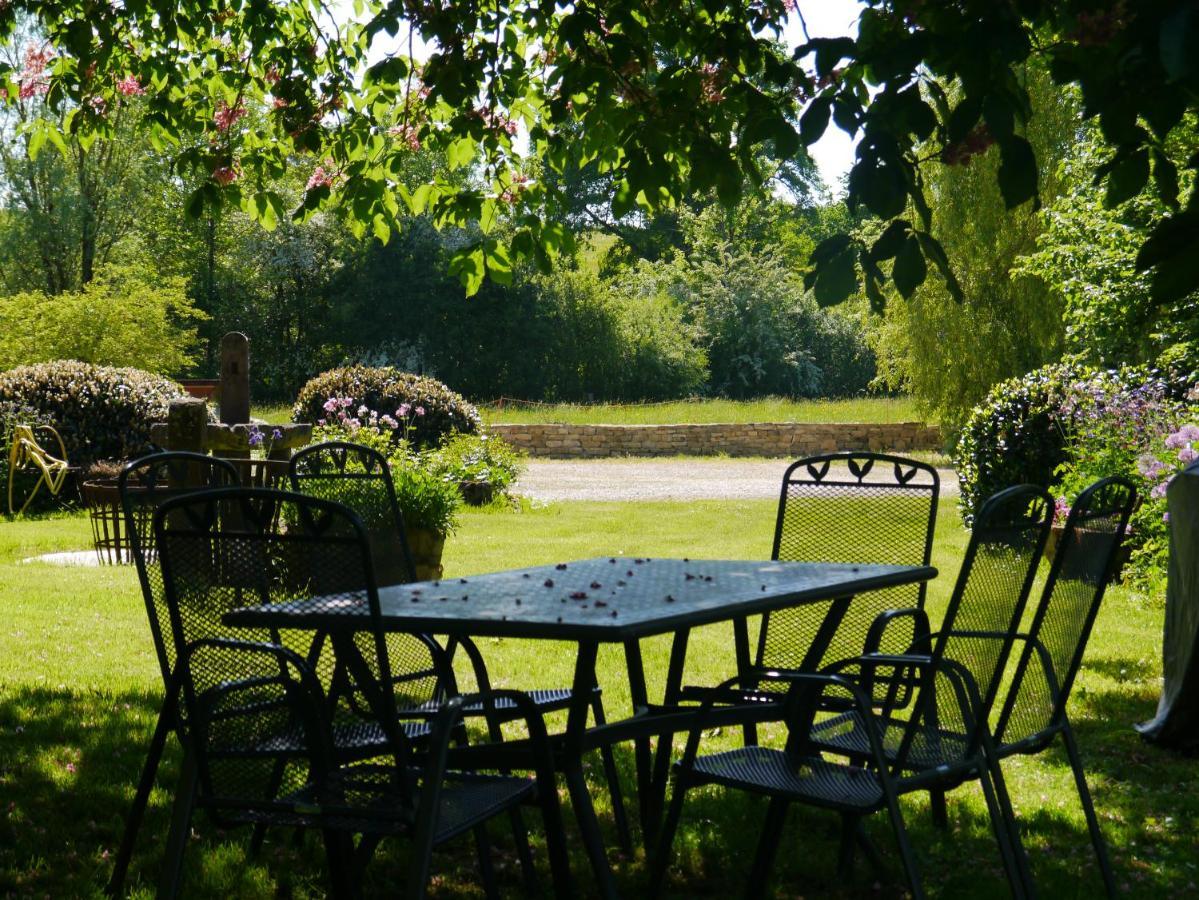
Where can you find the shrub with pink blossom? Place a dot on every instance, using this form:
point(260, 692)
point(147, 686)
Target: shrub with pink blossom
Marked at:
point(404, 407)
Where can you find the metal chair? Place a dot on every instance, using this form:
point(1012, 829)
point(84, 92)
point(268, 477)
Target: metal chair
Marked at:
point(798, 773)
point(1034, 710)
point(260, 727)
point(360, 477)
point(978, 631)
point(145, 485)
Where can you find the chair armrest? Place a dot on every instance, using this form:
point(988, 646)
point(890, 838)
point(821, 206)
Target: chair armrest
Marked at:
point(920, 628)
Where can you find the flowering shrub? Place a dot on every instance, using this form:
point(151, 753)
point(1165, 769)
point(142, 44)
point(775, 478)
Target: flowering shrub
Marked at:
point(412, 408)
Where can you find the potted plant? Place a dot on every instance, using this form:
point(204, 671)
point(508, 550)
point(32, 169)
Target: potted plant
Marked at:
point(430, 507)
point(483, 466)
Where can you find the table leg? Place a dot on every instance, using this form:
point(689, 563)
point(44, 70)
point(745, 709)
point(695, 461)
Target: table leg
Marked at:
point(572, 767)
point(642, 748)
point(656, 799)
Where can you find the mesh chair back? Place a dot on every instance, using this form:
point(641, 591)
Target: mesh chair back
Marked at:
point(850, 508)
point(236, 547)
point(359, 477)
point(144, 485)
point(1083, 566)
point(992, 589)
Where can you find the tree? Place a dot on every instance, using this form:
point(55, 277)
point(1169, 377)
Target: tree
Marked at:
point(948, 351)
point(672, 100)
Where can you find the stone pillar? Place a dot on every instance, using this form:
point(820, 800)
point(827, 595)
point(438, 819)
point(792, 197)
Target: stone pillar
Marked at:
point(235, 379)
point(187, 422)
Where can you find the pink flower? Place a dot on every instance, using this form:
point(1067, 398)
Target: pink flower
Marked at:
point(1061, 510)
point(279, 103)
point(226, 116)
point(408, 134)
point(70, 767)
point(319, 179)
point(403, 411)
point(225, 175)
point(1187, 454)
point(330, 405)
point(1175, 440)
point(420, 410)
point(362, 410)
point(130, 87)
point(33, 79)
point(389, 421)
point(320, 422)
point(1150, 466)
point(1159, 489)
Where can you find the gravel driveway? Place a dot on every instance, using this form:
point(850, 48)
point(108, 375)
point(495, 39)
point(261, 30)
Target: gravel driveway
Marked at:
point(681, 478)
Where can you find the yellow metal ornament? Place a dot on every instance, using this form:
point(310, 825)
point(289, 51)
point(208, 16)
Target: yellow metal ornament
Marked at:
point(26, 455)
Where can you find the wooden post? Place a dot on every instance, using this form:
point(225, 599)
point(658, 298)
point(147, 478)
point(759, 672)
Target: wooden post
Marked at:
point(235, 379)
point(187, 420)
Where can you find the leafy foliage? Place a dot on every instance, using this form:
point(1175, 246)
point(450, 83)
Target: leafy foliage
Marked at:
point(1017, 435)
point(101, 412)
point(123, 317)
point(425, 410)
point(482, 459)
point(667, 102)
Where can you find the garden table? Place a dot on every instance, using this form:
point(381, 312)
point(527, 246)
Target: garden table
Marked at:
point(615, 600)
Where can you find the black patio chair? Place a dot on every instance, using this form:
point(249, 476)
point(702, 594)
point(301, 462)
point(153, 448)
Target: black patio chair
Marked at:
point(978, 631)
point(891, 502)
point(798, 773)
point(260, 727)
point(360, 477)
point(927, 737)
point(1034, 711)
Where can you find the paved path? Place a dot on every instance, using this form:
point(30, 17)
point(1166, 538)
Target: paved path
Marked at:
point(680, 478)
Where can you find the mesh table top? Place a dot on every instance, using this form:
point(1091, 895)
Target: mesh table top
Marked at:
point(604, 599)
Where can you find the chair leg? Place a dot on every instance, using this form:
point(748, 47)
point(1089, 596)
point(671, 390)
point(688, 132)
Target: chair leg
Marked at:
point(180, 833)
point(938, 808)
point(520, 837)
point(141, 799)
point(339, 855)
point(1003, 822)
point(486, 868)
point(666, 835)
point(612, 774)
point(1088, 808)
point(768, 845)
point(911, 870)
point(845, 853)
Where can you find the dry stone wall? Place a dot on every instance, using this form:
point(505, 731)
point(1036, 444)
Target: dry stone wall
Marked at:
point(762, 439)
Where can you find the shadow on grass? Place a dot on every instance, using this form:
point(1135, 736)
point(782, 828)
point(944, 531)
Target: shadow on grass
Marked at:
point(69, 762)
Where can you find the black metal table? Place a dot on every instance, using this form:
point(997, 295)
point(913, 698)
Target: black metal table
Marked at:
point(605, 600)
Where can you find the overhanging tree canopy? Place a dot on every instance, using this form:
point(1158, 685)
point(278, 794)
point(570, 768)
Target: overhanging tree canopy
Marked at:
point(670, 98)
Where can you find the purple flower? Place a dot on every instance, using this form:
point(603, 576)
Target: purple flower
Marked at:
point(1159, 490)
point(1176, 440)
point(276, 434)
point(420, 410)
point(254, 437)
point(1150, 466)
point(1190, 432)
point(1187, 454)
point(1166, 517)
point(320, 422)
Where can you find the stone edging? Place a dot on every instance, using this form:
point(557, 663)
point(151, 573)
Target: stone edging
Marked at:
point(759, 439)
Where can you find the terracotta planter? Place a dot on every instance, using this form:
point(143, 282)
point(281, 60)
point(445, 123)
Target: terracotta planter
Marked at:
point(1084, 559)
point(426, 547)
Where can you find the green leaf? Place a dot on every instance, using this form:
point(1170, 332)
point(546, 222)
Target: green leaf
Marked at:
point(1173, 236)
point(830, 247)
point(460, 153)
point(888, 244)
point(910, 269)
point(467, 264)
point(37, 140)
point(380, 228)
point(814, 121)
point(1165, 176)
point(1127, 177)
point(1017, 173)
point(835, 279)
point(499, 265)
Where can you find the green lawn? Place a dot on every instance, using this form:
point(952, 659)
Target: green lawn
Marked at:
point(79, 688)
point(769, 409)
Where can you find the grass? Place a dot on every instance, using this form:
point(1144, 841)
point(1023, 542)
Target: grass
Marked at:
point(769, 409)
point(79, 690)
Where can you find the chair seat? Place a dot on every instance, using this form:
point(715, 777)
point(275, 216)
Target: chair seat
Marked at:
point(767, 771)
point(365, 799)
point(348, 737)
point(845, 734)
point(545, 700)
